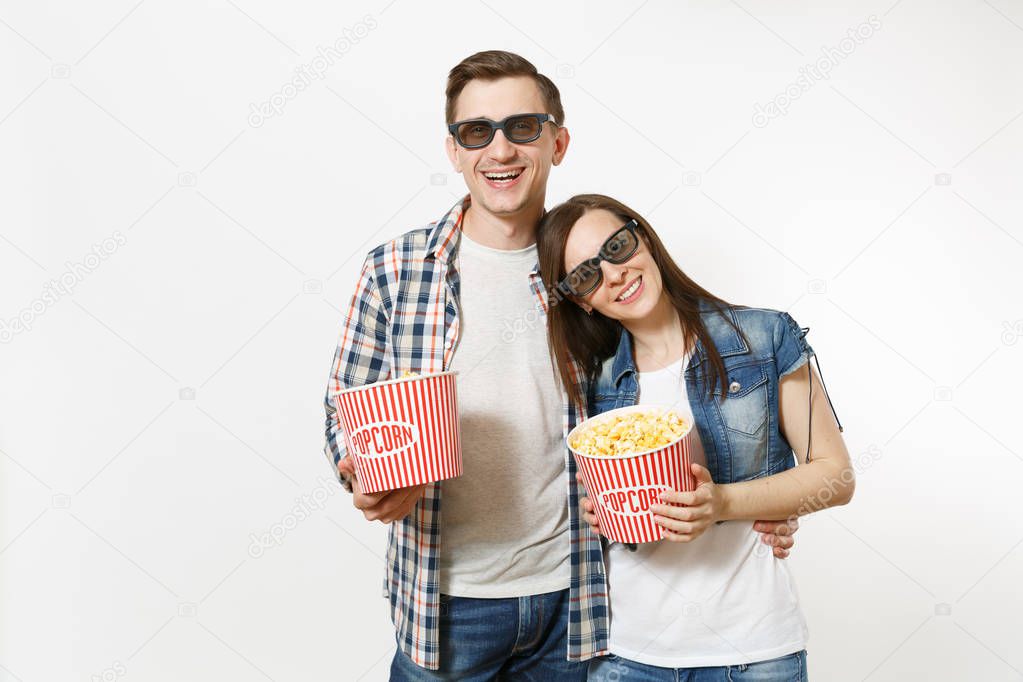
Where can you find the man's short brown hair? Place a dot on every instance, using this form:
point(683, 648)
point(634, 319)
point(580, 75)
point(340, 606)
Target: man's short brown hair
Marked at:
point(494, 64)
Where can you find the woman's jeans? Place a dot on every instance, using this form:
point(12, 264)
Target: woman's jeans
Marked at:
point(519, 638)
point(791, 668)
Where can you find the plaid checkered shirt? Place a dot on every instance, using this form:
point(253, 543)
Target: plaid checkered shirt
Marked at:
point(404, 316)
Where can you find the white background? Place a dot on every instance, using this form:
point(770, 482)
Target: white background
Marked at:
point(168, 410)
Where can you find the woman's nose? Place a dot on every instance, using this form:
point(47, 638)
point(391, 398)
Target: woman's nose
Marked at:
point(613, 274)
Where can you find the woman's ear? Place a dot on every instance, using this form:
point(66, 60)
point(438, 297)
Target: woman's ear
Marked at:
point(587, 308)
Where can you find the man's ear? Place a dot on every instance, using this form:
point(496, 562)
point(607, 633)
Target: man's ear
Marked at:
point(561, 141)
point(452, 152)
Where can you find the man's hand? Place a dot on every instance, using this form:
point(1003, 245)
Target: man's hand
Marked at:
point(778, 534)
point(385, 506)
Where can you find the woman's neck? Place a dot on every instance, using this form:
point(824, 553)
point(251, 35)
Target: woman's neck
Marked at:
point(658, 339)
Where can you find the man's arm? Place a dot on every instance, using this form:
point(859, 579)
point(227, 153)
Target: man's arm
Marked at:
point(360, 359)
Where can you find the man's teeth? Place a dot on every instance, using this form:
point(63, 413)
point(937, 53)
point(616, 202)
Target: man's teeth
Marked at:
point(630, 291)
point(510, 175)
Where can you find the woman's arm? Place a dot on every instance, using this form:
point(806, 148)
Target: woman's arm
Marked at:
point(827, 480)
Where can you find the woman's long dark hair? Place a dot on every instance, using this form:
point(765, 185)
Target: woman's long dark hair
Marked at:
point(590, 339)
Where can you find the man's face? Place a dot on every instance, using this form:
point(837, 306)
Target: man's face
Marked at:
point(524, 167)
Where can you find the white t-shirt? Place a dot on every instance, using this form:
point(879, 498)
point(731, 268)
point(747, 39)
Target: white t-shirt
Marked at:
point(504, 521)
point(722, 599)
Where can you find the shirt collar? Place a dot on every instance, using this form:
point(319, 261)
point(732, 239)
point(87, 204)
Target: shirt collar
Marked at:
point(443, 241)
point(623, 363)
point(727, 340)
point(445, 236)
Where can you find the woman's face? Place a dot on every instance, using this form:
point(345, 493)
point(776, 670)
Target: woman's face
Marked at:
point(628, 291)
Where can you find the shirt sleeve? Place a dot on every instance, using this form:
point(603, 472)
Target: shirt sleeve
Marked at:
point(360, 359)
point(791, 351)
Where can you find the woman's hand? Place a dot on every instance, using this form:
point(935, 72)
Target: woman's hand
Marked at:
point(587, 508)
point(702, 508)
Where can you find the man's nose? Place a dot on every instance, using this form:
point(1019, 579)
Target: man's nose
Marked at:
point(500, 149)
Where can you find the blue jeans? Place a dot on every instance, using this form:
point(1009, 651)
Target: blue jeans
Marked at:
point(791, 668)
point(519, 638)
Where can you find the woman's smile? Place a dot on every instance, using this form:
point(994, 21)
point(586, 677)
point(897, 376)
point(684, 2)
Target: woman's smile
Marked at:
point(632, 292)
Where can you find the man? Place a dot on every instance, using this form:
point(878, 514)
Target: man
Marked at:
point(518, 582)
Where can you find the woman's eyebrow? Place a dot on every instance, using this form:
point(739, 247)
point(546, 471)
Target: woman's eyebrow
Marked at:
point(578, 263)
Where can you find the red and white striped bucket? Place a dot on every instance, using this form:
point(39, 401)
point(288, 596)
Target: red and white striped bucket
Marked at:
point(402, 432)
point(623, 488)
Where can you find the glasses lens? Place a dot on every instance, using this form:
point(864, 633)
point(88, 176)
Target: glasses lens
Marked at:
point(522, 129)
point(584, 278)
point(475, 133)
point(620, 246)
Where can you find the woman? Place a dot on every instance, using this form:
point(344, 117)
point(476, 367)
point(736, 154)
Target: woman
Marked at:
point(709, 602)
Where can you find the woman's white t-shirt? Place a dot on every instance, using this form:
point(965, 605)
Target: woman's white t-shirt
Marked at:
point(722, 599)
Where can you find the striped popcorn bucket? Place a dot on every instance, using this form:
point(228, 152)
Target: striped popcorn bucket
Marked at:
point(402, 432)
point(623, 488)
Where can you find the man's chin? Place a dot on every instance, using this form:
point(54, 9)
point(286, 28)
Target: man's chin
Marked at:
point(502, 205)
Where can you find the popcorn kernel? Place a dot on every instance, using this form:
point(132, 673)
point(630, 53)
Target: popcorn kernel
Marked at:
point(627, 434)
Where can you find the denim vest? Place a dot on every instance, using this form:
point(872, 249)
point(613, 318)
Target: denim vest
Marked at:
point(741, 435)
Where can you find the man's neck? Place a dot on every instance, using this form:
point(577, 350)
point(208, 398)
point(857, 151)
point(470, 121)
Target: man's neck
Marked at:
point(505, 233)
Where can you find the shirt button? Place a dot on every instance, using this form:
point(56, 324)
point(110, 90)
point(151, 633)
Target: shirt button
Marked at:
point(734, 387)
point(447, 344)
